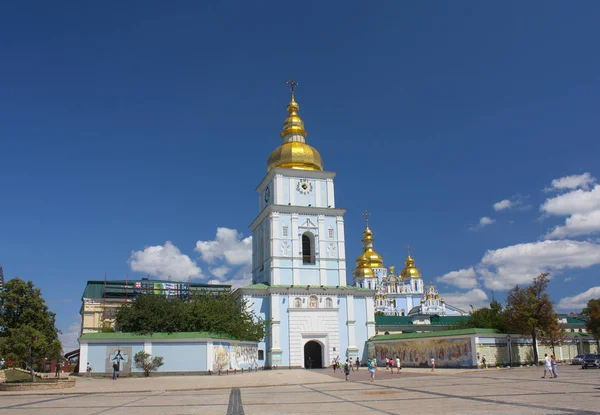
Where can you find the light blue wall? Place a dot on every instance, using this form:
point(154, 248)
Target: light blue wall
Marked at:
point(360, 315)
point(284, 329)
point(343, 325)
point(309, 276)
point(286, 276)
point(260, 306)
point(98, 358)
point(333, 278)
point(179, 357)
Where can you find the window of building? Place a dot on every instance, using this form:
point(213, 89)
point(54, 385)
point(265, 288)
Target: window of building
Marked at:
point(313, 302)
point(297, 303)
point(330, 232)
point(261, 355)
point(329, 303)
point(308, 248)
point(285, 230)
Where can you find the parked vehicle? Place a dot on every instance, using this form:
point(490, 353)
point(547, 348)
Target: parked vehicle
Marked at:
point(577, 360)
point(590, 360)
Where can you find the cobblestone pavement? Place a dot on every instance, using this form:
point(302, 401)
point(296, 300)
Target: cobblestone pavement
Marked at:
point(493, 391)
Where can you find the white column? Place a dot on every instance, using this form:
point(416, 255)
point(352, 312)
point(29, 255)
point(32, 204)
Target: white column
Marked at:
point(275, 335)
point(322, 250)
point(370, 317)
point(274, 244)
point(318, 185)
point(209, 355)
point(330, 195)
point(148, 347)
point(278, 196)
point(292, 192)
point(341, 250)
point(295, 249)
point(351, 321)
point(83, 358)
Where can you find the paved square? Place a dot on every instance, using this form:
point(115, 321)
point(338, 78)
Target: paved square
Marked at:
point(418, 391)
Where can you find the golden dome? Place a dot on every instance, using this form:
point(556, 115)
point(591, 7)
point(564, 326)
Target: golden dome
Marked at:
point(369, 256)
point(294, 153)
point(363, 271)
point(410, 271)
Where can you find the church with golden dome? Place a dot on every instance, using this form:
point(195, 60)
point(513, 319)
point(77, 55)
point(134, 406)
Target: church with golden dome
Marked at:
point(299, 261)
point(397, 295)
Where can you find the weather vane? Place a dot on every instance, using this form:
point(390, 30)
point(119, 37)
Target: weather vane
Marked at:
point(408, 247)
point(293, 84)
point(366, 214)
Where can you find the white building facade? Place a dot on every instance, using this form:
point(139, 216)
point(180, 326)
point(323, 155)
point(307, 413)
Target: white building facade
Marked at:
point(299, 262)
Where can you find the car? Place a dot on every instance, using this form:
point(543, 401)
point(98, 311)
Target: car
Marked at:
point(577, 360)
point(590, 360)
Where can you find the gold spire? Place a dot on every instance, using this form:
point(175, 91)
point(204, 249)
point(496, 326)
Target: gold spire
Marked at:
point(369, 256)
point(410, 271)
point(294, 153)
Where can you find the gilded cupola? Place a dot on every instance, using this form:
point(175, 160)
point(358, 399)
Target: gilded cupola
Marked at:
point(410, 270)
point(369, 259)
point(294, 153)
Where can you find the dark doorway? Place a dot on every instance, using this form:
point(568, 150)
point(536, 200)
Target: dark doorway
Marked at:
point(313, 358)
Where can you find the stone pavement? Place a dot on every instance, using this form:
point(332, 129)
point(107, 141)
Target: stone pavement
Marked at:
point(418, 391)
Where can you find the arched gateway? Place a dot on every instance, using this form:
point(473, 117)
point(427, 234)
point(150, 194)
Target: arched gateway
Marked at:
point(313, 355)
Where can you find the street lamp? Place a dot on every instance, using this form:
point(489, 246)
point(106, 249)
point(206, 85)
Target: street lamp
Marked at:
point(577, 342)
point(509, 350)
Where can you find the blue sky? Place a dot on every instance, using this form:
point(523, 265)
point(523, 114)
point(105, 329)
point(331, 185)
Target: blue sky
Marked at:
point(130, 133)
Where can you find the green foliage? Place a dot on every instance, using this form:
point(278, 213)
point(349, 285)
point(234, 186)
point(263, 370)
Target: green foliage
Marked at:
point(27, 328)
point(147, 363)
point(553, 334)
point(485, 318)
point(529, 310)
point(592, 317)
point(216, 313)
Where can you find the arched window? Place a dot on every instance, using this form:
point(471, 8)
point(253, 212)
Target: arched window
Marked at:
point(308, 248)
point(313, 302)
point(297, 303)
point(329, 303)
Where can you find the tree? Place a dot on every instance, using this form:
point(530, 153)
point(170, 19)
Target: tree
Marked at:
point(27, 328)
point(591, 313)
point(147, 363)
point(553, 335)
point(529, 310)
point(485, 318)
point(221, 313)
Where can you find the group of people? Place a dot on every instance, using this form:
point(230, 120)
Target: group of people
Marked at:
point(346, 367)
point(550, 364)
point(349, 365)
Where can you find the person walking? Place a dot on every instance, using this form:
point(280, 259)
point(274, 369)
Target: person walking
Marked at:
point(357, 363)
point(351, 365)
point(88, 370)
point(432, 364)
point(57, 370)
point(398, 365)
point(372, 365)
point(547, 366)
point(484, 362)
point(115, 370)
point(554, 363)
point(347, 369)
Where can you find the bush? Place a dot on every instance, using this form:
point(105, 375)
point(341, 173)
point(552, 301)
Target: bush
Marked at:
point(147, 363)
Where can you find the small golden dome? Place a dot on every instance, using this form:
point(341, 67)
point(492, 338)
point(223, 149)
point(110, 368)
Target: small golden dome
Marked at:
point(410, 271)
point(294, 153)
point(363, 271)
point(369, 255)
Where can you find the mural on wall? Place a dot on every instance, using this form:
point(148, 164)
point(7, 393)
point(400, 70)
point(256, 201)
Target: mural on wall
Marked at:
point(418, 352)
point(121, 356)
point(227, 356)
point(244, 356)
point(220, 356)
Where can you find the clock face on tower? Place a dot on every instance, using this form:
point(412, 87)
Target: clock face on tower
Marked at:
point(304, 187)
point(267, 194)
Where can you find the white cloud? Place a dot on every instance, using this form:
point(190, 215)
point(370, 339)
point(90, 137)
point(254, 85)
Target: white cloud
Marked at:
point(229, 246)
point(503, 204)
point(230, 255)
point(69, 337)
point(463, 278)
point(576, 201)
point(573, 182)
point(483, 222)
point(582, 208)
point(464, 300)
point(502, 269)
point(567, 279)
point(164, 261)
point(576, 225)
point(579, 301)
point(220, 272)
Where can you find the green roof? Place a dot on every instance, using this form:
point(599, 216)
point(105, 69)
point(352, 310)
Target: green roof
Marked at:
point(442, 333)
point(262, 286)
point(167, 336)
point(122, 288)
point(435, 320)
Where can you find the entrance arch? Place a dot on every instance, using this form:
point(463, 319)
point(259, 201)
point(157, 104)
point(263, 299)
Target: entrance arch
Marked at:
point(313, 355)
